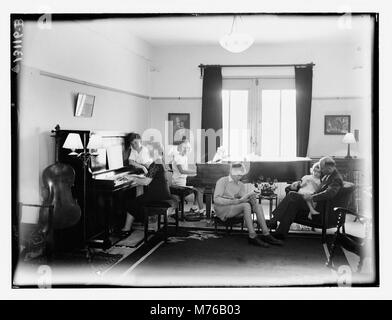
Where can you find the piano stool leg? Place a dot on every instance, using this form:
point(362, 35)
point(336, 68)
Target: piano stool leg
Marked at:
point(182, 206)
point(165, 223)
point(208, 203)
point(324, 235)
point(145, 224)
point(176, 217)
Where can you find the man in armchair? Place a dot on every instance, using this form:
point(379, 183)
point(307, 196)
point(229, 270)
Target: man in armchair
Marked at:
point(294, 204)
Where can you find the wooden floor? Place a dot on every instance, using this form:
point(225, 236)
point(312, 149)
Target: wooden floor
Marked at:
point(127, 247)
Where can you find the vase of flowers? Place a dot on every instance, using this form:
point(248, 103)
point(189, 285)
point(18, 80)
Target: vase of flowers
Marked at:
point(267, 187)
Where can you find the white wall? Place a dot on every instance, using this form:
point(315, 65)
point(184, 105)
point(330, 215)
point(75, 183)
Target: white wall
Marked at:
point(72, 50)
point(339, 86)
point(159, 114)
point(83, 52)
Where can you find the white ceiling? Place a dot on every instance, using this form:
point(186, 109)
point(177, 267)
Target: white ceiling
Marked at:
point(266, 29)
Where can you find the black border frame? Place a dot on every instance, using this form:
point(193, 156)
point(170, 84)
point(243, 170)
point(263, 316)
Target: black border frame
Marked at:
point(14, 107)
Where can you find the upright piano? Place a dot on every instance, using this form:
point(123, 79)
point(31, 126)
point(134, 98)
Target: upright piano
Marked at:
point(283, 170)
point(100, 191)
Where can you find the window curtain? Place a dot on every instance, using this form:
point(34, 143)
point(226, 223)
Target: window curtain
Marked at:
point(211, 111)
point(303, 87)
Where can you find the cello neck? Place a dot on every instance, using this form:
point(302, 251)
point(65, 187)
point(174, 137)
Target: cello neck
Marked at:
point(56, 136)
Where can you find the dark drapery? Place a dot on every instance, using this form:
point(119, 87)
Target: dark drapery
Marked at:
point(303, 87)
point(211, 112)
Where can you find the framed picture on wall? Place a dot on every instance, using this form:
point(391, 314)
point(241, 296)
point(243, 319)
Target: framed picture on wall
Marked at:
point(179, 126)
point(337, 124)
point(84, 105)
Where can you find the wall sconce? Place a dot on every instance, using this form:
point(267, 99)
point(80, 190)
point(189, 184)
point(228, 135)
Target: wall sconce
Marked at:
point(95, 142)
point(74, 142)
point(349, 139)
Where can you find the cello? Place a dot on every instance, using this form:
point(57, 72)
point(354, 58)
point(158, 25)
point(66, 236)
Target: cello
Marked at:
point(58, 180)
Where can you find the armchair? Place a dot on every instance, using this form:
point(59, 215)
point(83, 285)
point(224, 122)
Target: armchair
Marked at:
point(329, 217)
point(358, 245)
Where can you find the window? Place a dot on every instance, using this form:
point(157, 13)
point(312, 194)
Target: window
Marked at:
point(235, 122)
point(278, 123)
point(259, 117)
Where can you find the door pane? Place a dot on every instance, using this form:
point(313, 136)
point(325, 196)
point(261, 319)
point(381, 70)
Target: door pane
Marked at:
point(235, 122)
point(288, 118)
point(270, 123)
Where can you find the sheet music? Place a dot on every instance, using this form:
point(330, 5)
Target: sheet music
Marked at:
point(98, 160)
point(115, 157)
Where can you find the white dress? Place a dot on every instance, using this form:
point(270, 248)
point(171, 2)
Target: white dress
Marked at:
point(178, 178)
point(309, 184)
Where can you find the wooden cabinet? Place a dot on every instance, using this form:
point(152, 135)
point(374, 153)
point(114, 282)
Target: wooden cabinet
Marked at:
point(350, 169)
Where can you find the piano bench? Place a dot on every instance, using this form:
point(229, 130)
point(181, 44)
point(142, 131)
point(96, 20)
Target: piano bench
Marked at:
point(229, 223)
point(158, 208)
point(181, 192)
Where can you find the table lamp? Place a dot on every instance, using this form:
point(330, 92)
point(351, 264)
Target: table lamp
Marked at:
point(349, 139)
point(95, 142)
point(73, 142)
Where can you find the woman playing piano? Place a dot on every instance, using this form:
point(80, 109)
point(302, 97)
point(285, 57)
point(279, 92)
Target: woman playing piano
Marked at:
point(139, 155)
point(157, 189)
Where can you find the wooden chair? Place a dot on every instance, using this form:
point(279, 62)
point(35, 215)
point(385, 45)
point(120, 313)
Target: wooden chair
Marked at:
point(181, 192)
point(357, 245)
point(329, 218)
point(229, 223)
point(158, 208)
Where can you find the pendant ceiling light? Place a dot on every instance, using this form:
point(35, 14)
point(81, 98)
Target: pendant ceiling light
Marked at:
point(235, 41)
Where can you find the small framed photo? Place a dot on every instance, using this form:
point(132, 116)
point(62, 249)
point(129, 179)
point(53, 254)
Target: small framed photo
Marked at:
point(84, 105)
point(180, 125)
point(337, 124)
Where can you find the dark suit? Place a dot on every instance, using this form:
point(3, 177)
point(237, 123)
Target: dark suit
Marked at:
point(294, 205)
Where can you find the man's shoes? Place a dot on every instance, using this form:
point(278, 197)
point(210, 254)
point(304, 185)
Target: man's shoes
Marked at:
point(271, 224)
point(278, 236)
point(257, 242)
point(271, 240)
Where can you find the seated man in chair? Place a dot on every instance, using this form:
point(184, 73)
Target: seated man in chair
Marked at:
point(294, 204)
point(231, 200)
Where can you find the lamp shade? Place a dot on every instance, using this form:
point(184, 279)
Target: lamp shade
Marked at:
point(73, 142)
point(95, 142)
point(236, 42)
point(349, 138)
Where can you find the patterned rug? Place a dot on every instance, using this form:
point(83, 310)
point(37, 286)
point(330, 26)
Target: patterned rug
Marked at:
point(205, 259)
